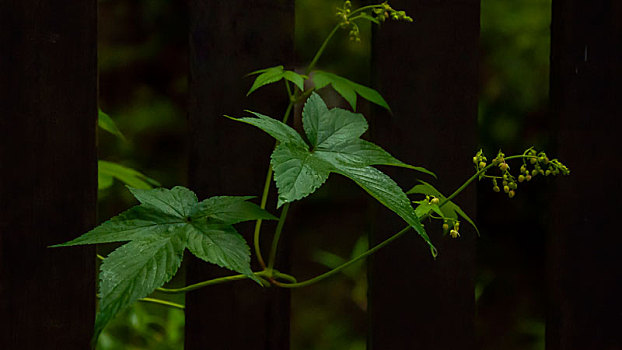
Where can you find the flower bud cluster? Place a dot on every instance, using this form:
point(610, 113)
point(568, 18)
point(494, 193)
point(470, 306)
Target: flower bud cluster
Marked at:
point(534, 163)
point(378, 13)
point(542, 165)
point(454, 232)
point(385, 11)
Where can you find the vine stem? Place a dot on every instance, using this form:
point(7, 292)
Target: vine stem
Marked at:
point(264, 197)
point(260, 274)
point(163, 302)
point(344, 265)
point(208, 283)
point(390, 239)
point(321, 49)
point(277, 236)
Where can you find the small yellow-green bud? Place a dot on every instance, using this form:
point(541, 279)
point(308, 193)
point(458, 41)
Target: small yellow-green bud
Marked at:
point(511, 194)
point(506, 189)
point(454, 234)
point(504, 166)
point(521, 178)
point(435, 200)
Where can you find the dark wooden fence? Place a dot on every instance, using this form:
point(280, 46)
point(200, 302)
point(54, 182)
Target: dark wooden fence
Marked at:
point(48, 172)
point(48, 84)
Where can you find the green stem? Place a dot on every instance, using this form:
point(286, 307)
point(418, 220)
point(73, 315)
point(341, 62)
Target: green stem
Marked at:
point(264, 198)
point(388, 240)
point(344, 265)
point(163, 302)
point(321, 49)
point(277, 236)
point(208, 283)
point(364, 8)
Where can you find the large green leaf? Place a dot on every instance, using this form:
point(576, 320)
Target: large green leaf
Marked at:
point(334, 146)
point(348, 89)
point(159, 229)
point(272, 75)
point(108, 171)
point(449, 210)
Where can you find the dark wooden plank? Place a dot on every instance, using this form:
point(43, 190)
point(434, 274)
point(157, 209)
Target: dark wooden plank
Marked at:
point(227, 40)
point(428, 72)
point(48, 186)
point(584, 251)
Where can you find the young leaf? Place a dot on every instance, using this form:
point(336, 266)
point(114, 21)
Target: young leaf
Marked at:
point(274, 74)
point(449, 210)
point(105, 122)
point(348, 89)
point(107, 171)
point(159, 230)
point(335, 147)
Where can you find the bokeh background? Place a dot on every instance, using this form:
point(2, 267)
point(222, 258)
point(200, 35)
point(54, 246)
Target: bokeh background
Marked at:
point(143, 67)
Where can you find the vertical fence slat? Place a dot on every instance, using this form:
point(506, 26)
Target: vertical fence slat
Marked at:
point(428, 72)
point(584, 250)
point(229, 39)
point(48, 188)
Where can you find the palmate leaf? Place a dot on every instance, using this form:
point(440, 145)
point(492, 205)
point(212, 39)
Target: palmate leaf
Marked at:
point(272, 75)
point(450, 210)
point(159, 230)
point(348, 89)
point(334, 146)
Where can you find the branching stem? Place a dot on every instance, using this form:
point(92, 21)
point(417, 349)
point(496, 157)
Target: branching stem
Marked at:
point(277, 236)
point(264, 198)
point(388, 240)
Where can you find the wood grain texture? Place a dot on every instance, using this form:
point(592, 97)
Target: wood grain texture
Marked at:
point(229, 39)
point(428, 73)
point(48, 183)
point(584, 248)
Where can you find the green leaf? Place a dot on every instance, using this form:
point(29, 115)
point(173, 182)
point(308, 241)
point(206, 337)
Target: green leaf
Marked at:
point(272, 75)
point(178, 202)
point(297, 172)
point(159, 229)
point(335, 127)
point(449, 210)
point(105, 122)
point(295, 78)
point(107, 171)
point(387, 192)
point(348, 89)
point(221, 245)
point(425, 207)
point(229, 210)
point(335, 147)
point(280, 131)
point(134, 271)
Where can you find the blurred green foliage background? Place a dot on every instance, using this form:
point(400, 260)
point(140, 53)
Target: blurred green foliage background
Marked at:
point(143, 87)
